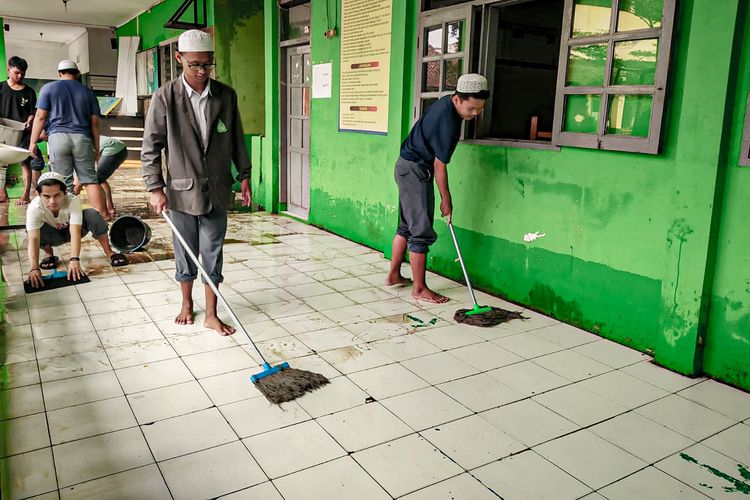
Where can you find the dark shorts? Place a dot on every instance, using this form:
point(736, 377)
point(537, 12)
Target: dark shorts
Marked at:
point(416, 205)
point(92, 222)
point(108, 164)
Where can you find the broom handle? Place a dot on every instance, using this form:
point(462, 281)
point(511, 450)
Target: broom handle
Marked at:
point(463, 267)
point(210, 283)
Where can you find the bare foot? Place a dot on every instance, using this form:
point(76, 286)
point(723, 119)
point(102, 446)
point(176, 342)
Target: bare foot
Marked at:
point(4, 196)
point(429, 296)
point(214, 323)
point(397, 280)
point(23, 200)
point(186, 315)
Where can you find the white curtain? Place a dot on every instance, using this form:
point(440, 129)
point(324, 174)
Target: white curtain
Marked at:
point(127, 84)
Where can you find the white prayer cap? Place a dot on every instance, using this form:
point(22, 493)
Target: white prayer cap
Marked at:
point(66, 64)
point(471, 83)
point(195, 41)
point(51, 175)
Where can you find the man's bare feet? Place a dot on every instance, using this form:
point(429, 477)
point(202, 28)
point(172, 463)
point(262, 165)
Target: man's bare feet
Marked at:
point(186, 315)
point(214, 323)
point(429, 296)
point(23, 200)
point(397, 280)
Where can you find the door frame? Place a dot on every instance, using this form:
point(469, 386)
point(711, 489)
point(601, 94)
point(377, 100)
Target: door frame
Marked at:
point(285, 47)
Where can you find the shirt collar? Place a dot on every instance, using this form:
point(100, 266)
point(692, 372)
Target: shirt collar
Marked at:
point(190, 91)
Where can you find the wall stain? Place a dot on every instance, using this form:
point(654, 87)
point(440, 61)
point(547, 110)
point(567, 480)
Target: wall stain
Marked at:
point(679, 232)
point(738, 486)
point(520, 187)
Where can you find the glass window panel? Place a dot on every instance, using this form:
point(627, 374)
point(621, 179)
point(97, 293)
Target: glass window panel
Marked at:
point(305, 101)
point(296, 69)
point(629, 115)
point(296, 129)
point(426, 103)
point(591, 17)
point(452, 69)
point(455, 42)
point(306, 69)
point(296, 104)
point(434, 41)
point(635, 62)
point(582, 113)
point(639, 14)
point(431, 76)
point(306, 134)
point(586, 65)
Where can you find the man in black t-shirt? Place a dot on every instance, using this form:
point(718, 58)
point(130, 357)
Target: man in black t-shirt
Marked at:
point(18, 102)
point(425, 155)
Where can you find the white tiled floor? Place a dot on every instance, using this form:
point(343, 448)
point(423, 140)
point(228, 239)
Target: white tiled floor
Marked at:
point(113, 400)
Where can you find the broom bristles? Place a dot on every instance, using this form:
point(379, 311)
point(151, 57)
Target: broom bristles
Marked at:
point(493, 317)
point(289, 384)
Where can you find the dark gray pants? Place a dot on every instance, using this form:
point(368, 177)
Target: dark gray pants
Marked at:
point(204, 235)
point(416, 205)
point(92, 221)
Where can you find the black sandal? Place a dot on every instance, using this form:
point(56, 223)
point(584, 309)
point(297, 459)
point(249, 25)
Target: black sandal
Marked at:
point(50, 262)
point(118, 260)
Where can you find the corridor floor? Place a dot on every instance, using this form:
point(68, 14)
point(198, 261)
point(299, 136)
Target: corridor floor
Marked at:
point(104, 397)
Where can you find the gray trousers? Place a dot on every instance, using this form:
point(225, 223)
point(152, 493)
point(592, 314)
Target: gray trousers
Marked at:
point(92, 221)
point(204, 235)
point(416, 205)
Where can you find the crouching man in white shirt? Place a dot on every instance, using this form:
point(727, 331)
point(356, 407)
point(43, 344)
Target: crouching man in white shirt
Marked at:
point(55, 217)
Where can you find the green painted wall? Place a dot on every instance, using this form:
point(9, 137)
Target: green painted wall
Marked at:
point(150, 24)
point(727, 348)
point(239, 32)
point(630, 239)
point(3, 58)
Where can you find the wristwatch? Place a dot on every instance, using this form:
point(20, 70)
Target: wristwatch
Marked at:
point(75, 258)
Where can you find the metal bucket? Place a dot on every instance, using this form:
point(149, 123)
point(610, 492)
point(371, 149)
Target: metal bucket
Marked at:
point(11, 132)
point(129, 234)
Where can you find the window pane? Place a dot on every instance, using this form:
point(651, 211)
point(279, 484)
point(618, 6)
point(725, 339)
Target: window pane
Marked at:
point(455, 42)
point(307, 68)
point(452, 69)
point(296, 104)
point(426, 103)
point(629, 115)
point(635, 62)
point(433, 41)
point(296, 63)
point(639, 14)
point(431, 76)
point(586, 65)
point(582, 113)
point(591, 17)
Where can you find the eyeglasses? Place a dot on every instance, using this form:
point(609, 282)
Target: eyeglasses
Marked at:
point(198, 67)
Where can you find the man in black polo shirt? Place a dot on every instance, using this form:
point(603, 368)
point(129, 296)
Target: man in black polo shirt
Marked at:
point(425, 155)
point(18, 102)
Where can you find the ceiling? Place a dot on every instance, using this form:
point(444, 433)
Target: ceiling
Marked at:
point(80, 12)
point(51, 32)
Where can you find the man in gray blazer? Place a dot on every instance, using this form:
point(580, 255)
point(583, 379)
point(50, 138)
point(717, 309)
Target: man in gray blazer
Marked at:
point(195, 122)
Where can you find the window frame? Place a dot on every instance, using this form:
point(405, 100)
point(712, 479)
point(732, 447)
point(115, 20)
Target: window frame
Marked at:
point(744, 159)
point(602, 140)
point(442, 16)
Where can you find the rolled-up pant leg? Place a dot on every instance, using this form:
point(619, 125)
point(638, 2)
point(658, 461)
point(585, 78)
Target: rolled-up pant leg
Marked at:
point(212, 230)
point(93, 221)
point(204, 235)
point(416, 205)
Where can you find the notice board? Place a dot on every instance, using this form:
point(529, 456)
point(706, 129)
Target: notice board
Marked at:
point(365, 65)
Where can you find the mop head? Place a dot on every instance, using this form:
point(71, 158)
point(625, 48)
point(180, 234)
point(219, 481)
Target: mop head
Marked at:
point(493, 317)
point(289, 384)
